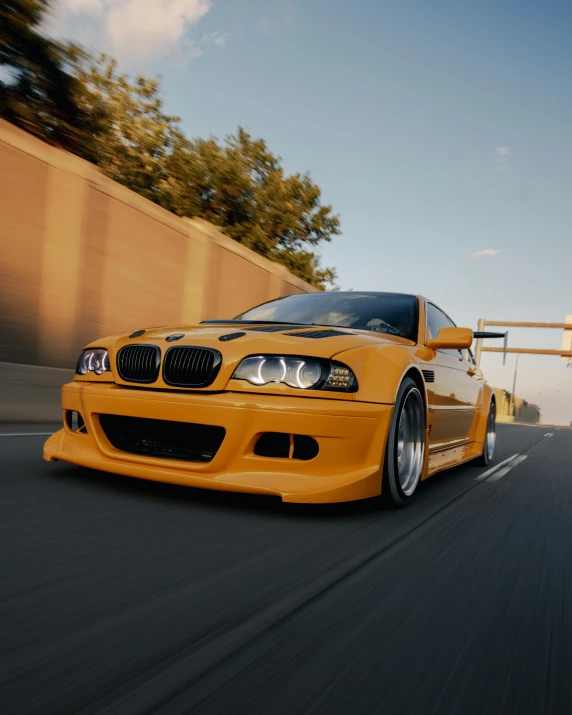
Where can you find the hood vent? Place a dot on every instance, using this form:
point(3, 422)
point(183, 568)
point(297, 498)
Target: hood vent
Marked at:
point(319, 334)
point(271, 328)
point(231, 336)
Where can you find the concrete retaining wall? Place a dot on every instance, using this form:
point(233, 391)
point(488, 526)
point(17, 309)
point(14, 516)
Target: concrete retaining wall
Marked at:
point(29, 393)
point(82, 257)
point(525, 412)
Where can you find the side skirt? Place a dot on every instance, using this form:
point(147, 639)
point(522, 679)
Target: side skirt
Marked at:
point(451, 457)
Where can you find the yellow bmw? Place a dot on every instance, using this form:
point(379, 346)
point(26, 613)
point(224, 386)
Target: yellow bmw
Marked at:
point(320, 397)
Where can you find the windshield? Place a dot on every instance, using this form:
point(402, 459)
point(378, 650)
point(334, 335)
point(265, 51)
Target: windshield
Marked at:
point(390, 313)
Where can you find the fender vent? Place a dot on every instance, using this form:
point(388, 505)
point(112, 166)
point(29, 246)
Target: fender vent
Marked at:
point(429, 375)
point(319, 333)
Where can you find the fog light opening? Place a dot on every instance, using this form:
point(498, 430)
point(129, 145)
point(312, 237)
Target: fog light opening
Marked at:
point(305, 447)
point(281, 445)
point(273, 444)
point(75, 422)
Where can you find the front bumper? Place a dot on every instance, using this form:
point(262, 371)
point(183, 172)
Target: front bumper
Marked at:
point(351, 437)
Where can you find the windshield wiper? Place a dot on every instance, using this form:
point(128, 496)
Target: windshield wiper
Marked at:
point(251, 322)
point(232, 321)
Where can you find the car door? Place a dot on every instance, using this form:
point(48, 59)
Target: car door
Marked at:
point(454, 393)
point(477, 379)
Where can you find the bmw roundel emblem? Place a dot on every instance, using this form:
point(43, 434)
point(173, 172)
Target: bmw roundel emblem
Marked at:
point(176, 336)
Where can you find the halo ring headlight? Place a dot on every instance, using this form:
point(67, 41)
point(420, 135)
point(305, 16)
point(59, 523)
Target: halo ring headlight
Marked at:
point(96, 361)
point(298, 372)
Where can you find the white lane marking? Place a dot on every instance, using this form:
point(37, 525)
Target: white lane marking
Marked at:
point(549, 434)
point(28, 434)
point(492, 470)
point(500, 474)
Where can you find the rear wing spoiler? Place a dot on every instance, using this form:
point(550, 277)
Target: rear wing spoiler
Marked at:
point(485, 335)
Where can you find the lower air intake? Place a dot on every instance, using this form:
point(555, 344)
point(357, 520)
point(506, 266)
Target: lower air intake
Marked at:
point(75, 421)
point(282, 445)
point(184, 441)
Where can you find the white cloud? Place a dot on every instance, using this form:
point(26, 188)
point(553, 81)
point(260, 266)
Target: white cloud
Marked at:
point(135, 29)
point(501, 157)
point(140, 28)
point(219, 38)
point(487, 253)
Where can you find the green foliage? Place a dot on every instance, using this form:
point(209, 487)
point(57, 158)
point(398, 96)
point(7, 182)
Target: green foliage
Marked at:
point(39, 95)
point(63, 96)
point(135, 136)
point(238, 184)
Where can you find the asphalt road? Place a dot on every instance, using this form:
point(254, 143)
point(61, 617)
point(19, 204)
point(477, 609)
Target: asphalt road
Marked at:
point(127, 597)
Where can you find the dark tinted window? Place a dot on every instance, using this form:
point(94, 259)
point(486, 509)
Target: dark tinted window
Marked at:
point(390, 313)
point(436, 320)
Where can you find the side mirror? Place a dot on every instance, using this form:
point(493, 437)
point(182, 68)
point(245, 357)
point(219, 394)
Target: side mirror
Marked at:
point(452, 339)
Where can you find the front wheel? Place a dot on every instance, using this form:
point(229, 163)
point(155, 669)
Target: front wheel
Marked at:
point(405, 450)
point(490, 437)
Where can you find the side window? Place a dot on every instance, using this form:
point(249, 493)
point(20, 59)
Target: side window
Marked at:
point(436, 320)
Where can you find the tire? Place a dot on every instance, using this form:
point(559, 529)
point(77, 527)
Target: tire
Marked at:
point(490, 438)
point(405, 451)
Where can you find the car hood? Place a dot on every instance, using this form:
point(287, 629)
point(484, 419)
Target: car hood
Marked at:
point(316, 341)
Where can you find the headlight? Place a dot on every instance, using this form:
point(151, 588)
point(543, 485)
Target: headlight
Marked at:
point(96, 361)
point(340, 378)
point(303, 373)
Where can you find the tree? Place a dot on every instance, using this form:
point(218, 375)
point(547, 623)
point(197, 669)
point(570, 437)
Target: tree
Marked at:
point(39, 94)
point(135, 136)
point(238, 184)
point(61, 95)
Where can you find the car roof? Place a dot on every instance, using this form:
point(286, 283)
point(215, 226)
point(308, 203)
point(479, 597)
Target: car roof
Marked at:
point(373, 292)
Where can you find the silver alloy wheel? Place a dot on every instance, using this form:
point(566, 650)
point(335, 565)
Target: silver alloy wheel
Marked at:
point(491, 436)
point(410, 442)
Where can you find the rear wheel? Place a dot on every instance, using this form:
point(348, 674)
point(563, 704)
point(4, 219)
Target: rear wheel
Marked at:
point(405, 449)
point(490, 436)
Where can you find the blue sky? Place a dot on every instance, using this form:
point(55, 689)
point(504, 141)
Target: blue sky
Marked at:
point(436, 129)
